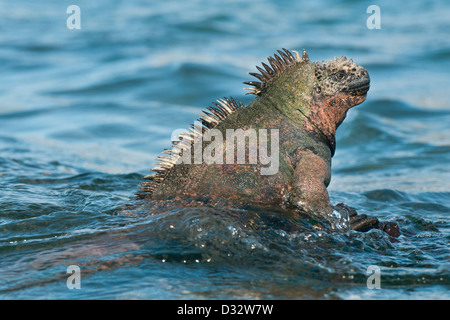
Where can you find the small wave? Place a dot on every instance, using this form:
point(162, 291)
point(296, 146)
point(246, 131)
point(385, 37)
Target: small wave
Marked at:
point(386, 195)
point(244, 237)
point(395, 109)
point(365, 128)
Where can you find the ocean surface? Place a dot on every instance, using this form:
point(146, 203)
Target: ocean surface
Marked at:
point(84, 112)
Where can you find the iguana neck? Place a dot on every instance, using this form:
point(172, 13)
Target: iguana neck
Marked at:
point(326, 114)
point(315, 128)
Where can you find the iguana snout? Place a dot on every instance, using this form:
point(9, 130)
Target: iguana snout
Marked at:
point(359, 85)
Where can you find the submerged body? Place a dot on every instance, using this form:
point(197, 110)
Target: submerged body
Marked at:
point(301, 104)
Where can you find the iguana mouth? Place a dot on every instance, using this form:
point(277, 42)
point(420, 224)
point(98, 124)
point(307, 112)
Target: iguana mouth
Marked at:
point(358, 87)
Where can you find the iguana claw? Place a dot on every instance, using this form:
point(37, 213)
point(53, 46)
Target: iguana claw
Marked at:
point(363, 223)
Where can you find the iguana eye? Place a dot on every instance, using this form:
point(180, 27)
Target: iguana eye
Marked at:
point(338, 76)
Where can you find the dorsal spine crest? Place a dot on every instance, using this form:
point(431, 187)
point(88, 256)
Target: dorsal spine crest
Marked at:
point(278, 63)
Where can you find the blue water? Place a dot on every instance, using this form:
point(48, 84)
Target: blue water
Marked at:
point(83, 114)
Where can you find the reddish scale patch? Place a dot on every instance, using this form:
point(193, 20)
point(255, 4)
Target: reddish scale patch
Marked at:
point(328, 112)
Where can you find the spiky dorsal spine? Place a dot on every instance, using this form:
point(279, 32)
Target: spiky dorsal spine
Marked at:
point(278, 63)
point(209, 119)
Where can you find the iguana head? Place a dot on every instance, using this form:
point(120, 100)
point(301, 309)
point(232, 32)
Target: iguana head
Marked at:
point(315, 94)
point(341, 77)
point(322, 79)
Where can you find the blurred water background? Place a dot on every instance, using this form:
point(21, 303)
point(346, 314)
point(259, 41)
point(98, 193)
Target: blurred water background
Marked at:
point(83, 114)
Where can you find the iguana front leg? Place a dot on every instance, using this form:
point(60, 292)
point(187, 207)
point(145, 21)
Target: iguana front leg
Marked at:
point(309, 194)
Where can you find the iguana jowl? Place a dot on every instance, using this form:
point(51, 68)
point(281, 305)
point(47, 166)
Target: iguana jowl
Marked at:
point(306, 102)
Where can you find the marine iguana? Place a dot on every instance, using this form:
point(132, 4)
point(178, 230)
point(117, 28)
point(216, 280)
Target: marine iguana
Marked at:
point(305, 102)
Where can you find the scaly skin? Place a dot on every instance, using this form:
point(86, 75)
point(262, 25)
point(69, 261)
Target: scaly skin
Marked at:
point(306, 102)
